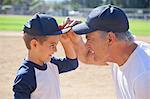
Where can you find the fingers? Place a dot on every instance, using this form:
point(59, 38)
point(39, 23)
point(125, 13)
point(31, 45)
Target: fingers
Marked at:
point(64, 36)
point(72, 23)
point(71, 34)
point(69, 23)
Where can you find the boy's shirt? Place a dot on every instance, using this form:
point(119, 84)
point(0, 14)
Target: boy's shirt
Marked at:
point(41, 82)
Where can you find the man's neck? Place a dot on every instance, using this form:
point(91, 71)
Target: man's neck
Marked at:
point(124, 53)
point(34, 58)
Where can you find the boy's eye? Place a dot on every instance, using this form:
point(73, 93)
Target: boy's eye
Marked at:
point(51, 45)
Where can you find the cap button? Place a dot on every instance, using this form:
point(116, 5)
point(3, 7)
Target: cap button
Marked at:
point(109, 5)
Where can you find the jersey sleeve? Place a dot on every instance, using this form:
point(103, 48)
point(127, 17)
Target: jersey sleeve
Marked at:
point(66, 64)
point(24, 83)
point(142, 86)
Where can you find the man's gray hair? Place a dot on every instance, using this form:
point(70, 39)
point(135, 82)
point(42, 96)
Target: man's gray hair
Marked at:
point(123, 36)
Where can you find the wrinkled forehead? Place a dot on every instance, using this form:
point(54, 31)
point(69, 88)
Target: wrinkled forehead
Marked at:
point(94, 34)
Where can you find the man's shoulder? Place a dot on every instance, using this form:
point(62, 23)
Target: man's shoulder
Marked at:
point(143, 45)
point(143, 52)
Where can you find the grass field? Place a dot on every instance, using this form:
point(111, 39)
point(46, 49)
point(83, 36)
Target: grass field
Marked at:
point(15, 23)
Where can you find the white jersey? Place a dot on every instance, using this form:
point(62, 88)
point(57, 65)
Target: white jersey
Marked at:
point(41, 82)
point(48, 81)
point(132, 80)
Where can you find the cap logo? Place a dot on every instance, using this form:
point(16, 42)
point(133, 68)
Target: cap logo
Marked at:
point(111, 9)
point(28, 25)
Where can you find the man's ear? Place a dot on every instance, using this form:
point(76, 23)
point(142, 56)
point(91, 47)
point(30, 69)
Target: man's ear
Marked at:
point(111, 38)
point(33, 43)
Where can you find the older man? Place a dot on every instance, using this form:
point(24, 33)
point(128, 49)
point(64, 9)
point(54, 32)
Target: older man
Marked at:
point(110, 42)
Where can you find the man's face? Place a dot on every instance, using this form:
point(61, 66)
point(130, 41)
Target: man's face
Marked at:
point(48, 48)
point(97, 46)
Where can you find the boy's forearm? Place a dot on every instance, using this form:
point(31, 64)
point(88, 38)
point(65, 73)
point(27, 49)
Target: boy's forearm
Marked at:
point(69, 50)
point(65, 64)
point(81, 51)
point(79, 46)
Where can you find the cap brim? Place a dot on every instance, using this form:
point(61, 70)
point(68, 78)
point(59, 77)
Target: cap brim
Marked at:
point(61, 31)
point(82, 28)
point(66, 30)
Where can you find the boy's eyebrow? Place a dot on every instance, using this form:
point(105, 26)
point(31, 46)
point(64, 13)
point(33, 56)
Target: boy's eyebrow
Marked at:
point(52, 42)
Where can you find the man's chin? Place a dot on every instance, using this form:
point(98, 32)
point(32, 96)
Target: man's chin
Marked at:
point(101, 63)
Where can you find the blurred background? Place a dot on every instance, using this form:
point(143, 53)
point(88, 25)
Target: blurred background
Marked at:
point(86, 82)
point(13, 11)
point(139, 9)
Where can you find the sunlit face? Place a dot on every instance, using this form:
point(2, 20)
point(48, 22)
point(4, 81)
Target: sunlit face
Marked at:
point(48, 48)
point(98, 46)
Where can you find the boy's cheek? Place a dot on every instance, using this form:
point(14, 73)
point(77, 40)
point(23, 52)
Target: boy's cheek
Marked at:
point(48, 59)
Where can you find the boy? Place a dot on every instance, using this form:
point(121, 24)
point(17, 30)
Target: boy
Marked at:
point(37, 77)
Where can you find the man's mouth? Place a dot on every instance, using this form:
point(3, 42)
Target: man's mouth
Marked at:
point(91, 51)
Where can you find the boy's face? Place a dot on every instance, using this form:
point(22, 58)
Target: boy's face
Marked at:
point(47, 48)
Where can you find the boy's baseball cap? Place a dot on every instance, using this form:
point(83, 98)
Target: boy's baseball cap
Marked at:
point(105, 18)
point(43, 25)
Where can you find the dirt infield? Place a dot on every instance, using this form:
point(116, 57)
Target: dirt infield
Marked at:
point(87, 82)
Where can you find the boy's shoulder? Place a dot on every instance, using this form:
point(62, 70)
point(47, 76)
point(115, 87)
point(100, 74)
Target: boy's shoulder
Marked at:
point(25, 80)
point(25, 68)
point(25, 74)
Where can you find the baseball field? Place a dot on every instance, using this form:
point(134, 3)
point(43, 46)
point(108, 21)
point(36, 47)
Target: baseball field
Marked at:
point(86, 82)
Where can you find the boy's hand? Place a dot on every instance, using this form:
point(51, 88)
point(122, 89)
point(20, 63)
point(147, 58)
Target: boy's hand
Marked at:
point(70, 35)
point(74, 37)
point(68, 46)
point(64, 38)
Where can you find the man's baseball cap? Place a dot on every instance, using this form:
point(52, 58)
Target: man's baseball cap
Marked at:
point(43, 25)
point(105, 18)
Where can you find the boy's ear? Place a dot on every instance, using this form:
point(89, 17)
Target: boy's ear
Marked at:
point(111, 38)
point(33, 43)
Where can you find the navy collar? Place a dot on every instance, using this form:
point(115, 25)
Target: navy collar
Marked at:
point(32, 64)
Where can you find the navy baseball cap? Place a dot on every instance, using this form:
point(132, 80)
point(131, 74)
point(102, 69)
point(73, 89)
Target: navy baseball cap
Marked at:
point(105, 18)
point(43, 25)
